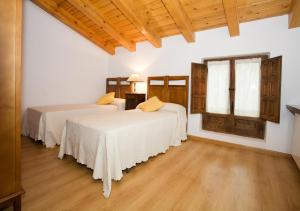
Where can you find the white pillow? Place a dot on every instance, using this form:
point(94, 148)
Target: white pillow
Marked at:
point(180, 112)
point(120, 103)
point(173, 107)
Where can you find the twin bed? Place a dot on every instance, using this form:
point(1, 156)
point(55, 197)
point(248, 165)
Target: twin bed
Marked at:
point(46, 123)
point(109, 142)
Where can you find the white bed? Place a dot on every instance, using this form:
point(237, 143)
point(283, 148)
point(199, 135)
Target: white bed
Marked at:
point(46, 123)
point(111, 143)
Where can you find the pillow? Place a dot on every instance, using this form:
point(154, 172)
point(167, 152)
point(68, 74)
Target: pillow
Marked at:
point(139, 106)
point(173, 107)
point(106, 99)
point(152, 104)
point(120, 103)
point(180, 112)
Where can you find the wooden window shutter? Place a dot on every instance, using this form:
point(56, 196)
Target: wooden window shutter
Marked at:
point(270, 89)
point(198, 93)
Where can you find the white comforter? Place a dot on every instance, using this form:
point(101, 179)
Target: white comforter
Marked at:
point(111, 143)
point(46, 123)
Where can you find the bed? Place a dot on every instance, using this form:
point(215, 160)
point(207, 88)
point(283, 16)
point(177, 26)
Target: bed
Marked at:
point(118, 141)
point(46, 123)
point(119, 85)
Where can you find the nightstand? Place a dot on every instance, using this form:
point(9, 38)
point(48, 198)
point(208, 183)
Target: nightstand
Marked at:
point(133, 99)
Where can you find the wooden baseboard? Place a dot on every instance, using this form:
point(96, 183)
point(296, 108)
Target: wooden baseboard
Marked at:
point(239, 146)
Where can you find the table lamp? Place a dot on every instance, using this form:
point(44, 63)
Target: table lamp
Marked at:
point(133, 79)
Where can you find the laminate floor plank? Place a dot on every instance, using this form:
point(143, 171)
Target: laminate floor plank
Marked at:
point(194, 176)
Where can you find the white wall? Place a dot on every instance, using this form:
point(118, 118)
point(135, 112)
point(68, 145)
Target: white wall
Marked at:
point(59, 65)
point(175, 57)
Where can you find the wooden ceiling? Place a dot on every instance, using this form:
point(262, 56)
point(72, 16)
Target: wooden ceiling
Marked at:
point(113, 23)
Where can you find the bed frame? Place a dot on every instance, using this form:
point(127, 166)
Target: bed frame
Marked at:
point(172, 89)
point(119, 85)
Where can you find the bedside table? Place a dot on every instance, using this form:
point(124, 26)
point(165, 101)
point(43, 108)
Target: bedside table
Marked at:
point(133, 99)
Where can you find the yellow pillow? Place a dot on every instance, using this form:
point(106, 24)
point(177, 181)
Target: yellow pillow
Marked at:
point(152, 104)
point(106, 99)
point(139, 105)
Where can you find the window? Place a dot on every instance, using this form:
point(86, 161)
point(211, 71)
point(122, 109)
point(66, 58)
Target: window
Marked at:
point(247, 87)
point(238, 94)
point(217, 100)
point(245, 82)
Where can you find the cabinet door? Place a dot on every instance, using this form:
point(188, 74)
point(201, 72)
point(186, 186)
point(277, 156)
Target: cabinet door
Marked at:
point(10, 66)
point(296, 141)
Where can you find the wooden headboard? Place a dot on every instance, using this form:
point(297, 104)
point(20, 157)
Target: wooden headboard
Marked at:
point(118, 85)
point(172, 89)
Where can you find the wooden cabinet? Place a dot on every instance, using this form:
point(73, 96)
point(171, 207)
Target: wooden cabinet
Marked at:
point(133, 99)
point(296, 135)
point(10, 66)
point(296, 140)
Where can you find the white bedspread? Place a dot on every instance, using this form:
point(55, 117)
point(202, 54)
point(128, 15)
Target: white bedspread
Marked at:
point(46, 123)
point(111, 143)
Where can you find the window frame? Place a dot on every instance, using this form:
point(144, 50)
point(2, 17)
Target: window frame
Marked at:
point(231, 60)
point(230, 123)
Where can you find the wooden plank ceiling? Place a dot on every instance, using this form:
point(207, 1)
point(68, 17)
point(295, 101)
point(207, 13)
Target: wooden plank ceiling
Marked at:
point(113, 23)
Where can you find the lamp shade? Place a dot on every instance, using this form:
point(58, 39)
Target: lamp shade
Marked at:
point(135, 78)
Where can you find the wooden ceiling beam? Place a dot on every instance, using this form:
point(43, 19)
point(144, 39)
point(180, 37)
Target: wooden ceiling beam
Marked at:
point(95, 15)
point(230, 8)
point(66, 18)
point(231, 13)
point(294, 15)
point(181, 19)
point(127, 9)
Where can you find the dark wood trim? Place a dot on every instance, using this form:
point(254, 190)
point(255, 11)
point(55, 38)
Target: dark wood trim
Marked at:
point(231, 123)
point(239, 146)
point(270, 93)
point(231, 59)
point(13, 199)
point(119, 88)
point(169, 93)
point(237, 125)
point(198, 88)
point(263, 56)
point(294, 109)
point(232, 87)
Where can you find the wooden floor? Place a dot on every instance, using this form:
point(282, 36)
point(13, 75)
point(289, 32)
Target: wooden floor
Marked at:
point(194, 176)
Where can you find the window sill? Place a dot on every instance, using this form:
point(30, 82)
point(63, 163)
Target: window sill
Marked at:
point(237, 125)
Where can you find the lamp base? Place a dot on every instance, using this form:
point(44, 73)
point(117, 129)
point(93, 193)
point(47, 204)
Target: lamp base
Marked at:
point(133, 87)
